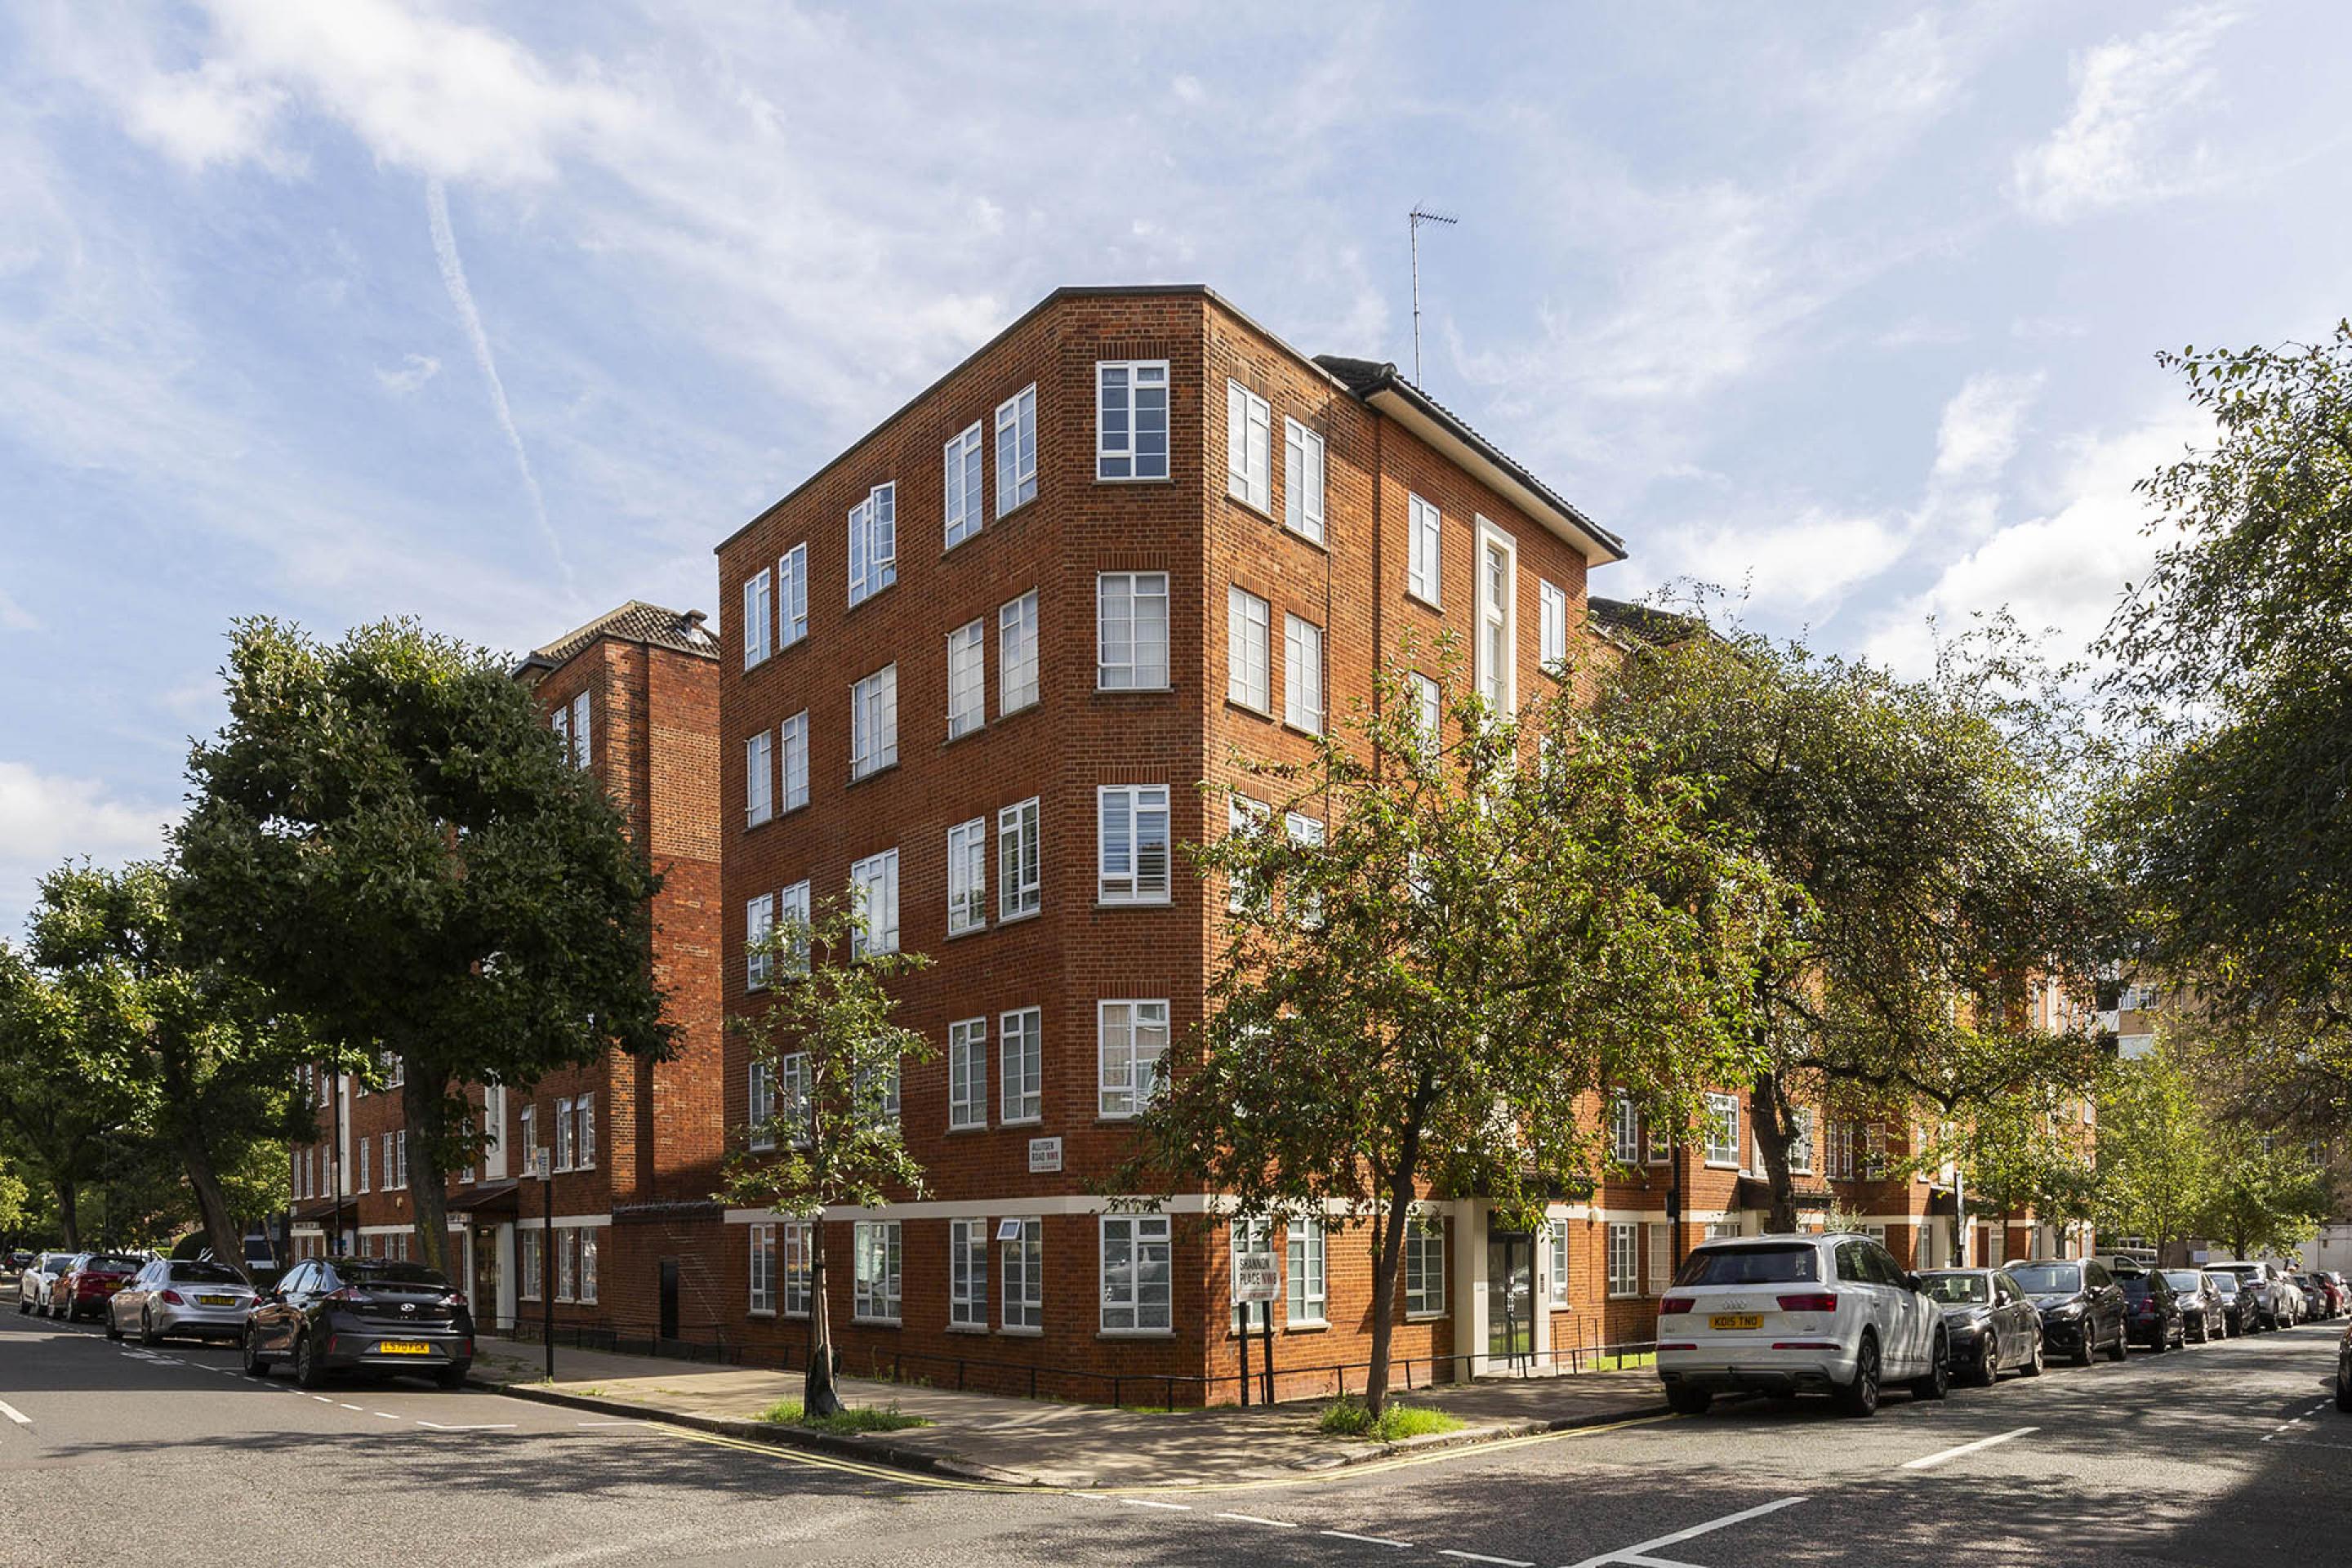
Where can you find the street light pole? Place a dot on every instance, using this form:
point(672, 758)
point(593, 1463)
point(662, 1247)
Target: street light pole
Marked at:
point(539, 1157)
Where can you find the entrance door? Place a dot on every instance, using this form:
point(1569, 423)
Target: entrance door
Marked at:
point(1510, 1296)
point(669, 1298)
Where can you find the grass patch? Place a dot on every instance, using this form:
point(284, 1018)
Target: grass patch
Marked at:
point(1348, 1418)
point(855, 1418)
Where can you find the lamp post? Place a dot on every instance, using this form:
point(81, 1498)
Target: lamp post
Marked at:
point(543, 1166)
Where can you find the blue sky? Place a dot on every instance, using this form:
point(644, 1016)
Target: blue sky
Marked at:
point(499, 315)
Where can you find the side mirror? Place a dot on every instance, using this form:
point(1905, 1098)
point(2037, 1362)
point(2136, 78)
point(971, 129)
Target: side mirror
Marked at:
point(1914, 1282)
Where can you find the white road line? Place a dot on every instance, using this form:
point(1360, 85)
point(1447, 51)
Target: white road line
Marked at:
point(1481, 1557)
point(1147, 1503)
point(1929, 1461)
point(353, 1407)
point(484, 1426)
point(1370, 1540)
point(1255, 1519)
point(13, 1414)
point(387, 1414)
point(1629, 1553)
point(324, 1400)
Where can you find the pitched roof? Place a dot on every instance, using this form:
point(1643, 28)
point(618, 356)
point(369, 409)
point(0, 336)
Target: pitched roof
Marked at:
point(1644, 623)
point(636, 621)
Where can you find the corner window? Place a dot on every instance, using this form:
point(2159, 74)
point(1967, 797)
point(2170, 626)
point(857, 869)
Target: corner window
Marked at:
point(759, 919)
point(1131, 419)
point(1137, 1275)
point(874, 721)
point(968, 876)
point(757, 615)
point(1424, 1266)
point(1132, 631)
point(1024, 1065)
point(1551, 603)
point(1624, 1130)
point(873, 542)
point(1132, 1038)
point(1249, 650)
point(1302, 675)
point(967, 1073)
point(1498, 618)
point(1427, 707)
point(763, 1268)
point(792, 912)
point(759, 1112)
point(1017, 450)
point(967, 679)
point(964, 497)
point(1023, 1245)
point(791, 737)
point(791, 595)
point(759, 779)
point(1421, 566)
point(1132, 844)
point(1016, 654)
point(1020, 879)
point(1248, 441)
point(874, 884)
point(1302, 480)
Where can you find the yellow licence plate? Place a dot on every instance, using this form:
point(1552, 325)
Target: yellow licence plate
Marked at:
point(1736, 1321)
point(403, 1347)
point(216, 1300)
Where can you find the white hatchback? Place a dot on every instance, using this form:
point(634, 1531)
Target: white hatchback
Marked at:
point(1798, 1314)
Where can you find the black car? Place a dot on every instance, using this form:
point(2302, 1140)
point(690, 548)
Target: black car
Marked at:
point(2237, 1306)
point(1988, 1322)
point(2152, 1314)
point(2344, 1370)
point(2081, 1305)
point(2200, 1304)
point(361, 1314)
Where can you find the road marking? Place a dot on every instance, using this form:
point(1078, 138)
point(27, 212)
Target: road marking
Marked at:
point(1255, 1518)
point(1633, 1553)
point(1153, 1502)
point(1481, 1557)
point(352, 1407)
point(387, 1414)
point(13, 1414)
point(324, 1400)
point(484, 1427)
point(1930, 1461)
point(1370, 1540)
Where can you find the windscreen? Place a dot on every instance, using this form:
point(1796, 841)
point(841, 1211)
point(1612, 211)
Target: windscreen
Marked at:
point(2184, 1280)
point(414, 1274)
point(1956, 1290)
point(200, 1273)
point(2047, 1279)
point(2135, 1285)
point(112, 1263)
point(1780, 1265)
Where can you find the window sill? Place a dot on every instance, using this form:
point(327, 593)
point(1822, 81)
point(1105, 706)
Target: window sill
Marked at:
point(1003, 919)
point(1425, 1317)
point(967, 1127)
point(1004, 713)
point(1017, 508)
point(875, 1322)
point(1103, 478)
point(1302, 730)
point(872, 594)
point(1307, 1326)
point(1431, 606)
point(1102, 690)
point(1022, 1333)
point(767, 1312)
point(874, 772)
point(1310, 541)
point(1254, 711)
point(1731, 1165)
point(1102, 903)
point(955, 935)
point(979, 1329)
point(1250, 506)
point(979, 728)
point(1136, 1334)
point(1021, 1122)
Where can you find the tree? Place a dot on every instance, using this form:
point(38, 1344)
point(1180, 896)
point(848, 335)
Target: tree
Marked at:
point(1432, 993)
point(58, 1124)
point(833, 1138)
point(2025, 1151)
point(2265, 1198)
point(386, 837)
point(2231, 668)
point(1925, 832)
point(2157, 1163)
point(199, 1056)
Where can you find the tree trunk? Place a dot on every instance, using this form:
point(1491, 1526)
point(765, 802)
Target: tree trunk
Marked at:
point(68, 1211)
point(819, 1397)
point(1772, 1137)
point(221, 1228)
point(428, 1195)
point(1388, 1252)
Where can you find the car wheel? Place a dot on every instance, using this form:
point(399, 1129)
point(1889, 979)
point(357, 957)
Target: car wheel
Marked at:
point(1938, 1381)
point(2119, 1350)
point(113, 1328)
point(254, 1365)
point(452, 1378)
point(2342, 1386)
point(308, 1373)
point(24, 1307)
point(147, 1335)
point(2087, 1349)
point(1988, 1372)
point(1685, 1401)
point(1860, 1397)
point(2159, 1342)
point(2032, 1367)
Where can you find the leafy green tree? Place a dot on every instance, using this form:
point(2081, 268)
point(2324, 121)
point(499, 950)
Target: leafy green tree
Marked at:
point(2156, 1153)
point(1926, 833)
point(200, 1056)
point(386, 839)
point(2266, 1199)
point(834, 1140)
point(58, 1124)
point(2235, 829)
point(1434, 993)
point(2022, 1152)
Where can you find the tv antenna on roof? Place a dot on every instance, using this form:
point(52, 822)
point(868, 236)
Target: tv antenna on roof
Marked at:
point(1421, 215)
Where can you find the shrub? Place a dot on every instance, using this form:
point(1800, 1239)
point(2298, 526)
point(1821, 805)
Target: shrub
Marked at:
point(857, 1419)
point(1348, 1418)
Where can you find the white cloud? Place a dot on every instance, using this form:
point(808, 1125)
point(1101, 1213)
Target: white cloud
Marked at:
point(1804, 563)
point(46, 819)
point(1980, 425)
point(2113, 148)
point(14, 617)
point(414, 371)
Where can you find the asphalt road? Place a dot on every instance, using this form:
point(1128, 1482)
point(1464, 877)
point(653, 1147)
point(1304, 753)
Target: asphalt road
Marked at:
point(2228, 1453)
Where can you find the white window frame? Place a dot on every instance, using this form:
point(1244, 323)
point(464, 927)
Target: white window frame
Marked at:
point(968, 1245)
point(1424, 1274)
point(1500, 686)
point(874, 722)
point(1016, 432)
point(791, 595)
point(792, 746)
point(873, 542)
point(1016, 654)
point(1305, 1284)
point(1662, 1259)
point(583, 729)
point(1020, 861)
point(1801, 1139)
point(1302, 480)
point(1624, 1130)
point(760, 1109)
point(1126, 1299)
point(793, 908)
point(967, 677)
point(1424, 535)
point(967, 877)
point(1024, 1291)
point(1624, 1260)
point(1556, 1284)
point(567, 1260)
point(1121, 876)
point(1022, 1057)
point(762, 1271)
point(877, 1277)
point(1118, 456)
point(1130, 592)
point(795, 1242)
point(1721, 1135)
point(967, 1074)
point(758, 614)
point(792, 1097)
point(1127, 1076)
point(1302, 674)
point(562, 1134)
point(1428, 710)
point(1249, 448)
point(1242, 814)
point(759, 919)
point(876, 881)
point(759, 778)
point(1552, 626)
point(583, 1137)
point(1249, 650)
point(530, 1265)
point(962, 493)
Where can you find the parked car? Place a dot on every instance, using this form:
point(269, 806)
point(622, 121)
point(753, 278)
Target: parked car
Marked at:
point(18, 1258)
point(2237, 1302)
point(186, 1297)
point(2344, 1370)
point(1799, 1314)
point(2292, 1308)
point(2201, 1305)
point(40, 1278)
point(85, 1285)
point(2152, 1314)
point(361, 1314)
point(2081, 1305)
point(2320, 1291)
point(1990, 1323)
point(2266, 1305)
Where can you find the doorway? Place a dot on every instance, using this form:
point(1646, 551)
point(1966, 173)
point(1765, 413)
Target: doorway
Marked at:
point(1510, 1297)
point(668, 1329)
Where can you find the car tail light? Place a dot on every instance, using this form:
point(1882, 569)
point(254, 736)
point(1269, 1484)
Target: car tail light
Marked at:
point(1674, 1304)
point(1676, 1347)
point(1818, 1301)
point(174, 1297)
point(1806, 1345)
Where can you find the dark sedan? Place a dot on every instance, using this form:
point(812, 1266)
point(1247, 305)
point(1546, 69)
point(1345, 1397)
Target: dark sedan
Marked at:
point(2152, 1313)
point(1988, 1322)
point(361, 1314)
point(2200, 1307)
point(2082, 1307)
point(2237, 1307)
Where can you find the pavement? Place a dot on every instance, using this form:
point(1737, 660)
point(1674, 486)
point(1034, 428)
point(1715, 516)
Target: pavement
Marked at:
point(1027, 1442)
point(2227, 1453)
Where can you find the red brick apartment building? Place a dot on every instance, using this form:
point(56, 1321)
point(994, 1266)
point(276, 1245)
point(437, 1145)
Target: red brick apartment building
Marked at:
point(635, 1145)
